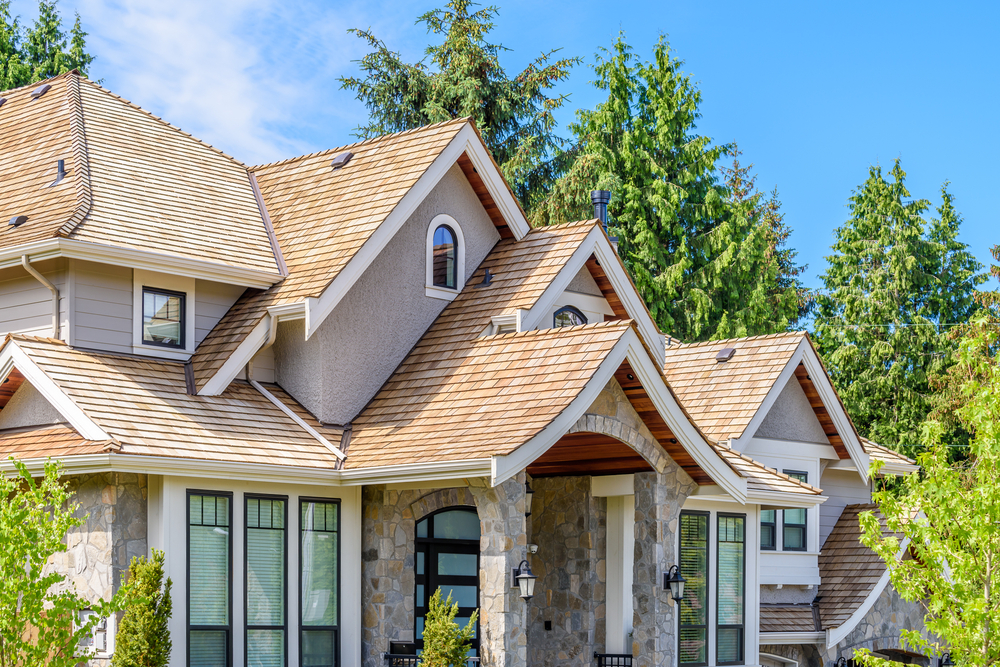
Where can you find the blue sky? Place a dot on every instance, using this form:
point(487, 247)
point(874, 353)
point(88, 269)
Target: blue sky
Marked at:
point(813, 93)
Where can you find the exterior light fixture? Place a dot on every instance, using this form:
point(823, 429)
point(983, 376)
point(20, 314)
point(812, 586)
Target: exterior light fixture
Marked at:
point(528, 493)
point(841, 662)
point(525, 580)
point(945, 660)
point(674, 582)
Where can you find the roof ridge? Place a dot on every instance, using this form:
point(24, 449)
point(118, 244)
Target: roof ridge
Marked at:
point(37, 339)
point(573, 223)
point(779, 334)
point(35, 84)
point(611, 324)
point(173, 127)
point(81, 159)
point(371, 140)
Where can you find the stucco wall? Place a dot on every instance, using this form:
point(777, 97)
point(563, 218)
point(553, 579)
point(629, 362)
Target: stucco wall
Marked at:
point(27, 407)
point(584, 283)
point(338, 370)
point(792, 418)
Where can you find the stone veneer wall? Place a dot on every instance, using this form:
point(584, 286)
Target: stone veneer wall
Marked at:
point(569, 525)
point(389, 520)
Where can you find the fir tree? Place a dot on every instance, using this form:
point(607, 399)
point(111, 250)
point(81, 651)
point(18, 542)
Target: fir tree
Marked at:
point(895, 285)
point(144, 637)
point(708, 259)
point(462, 76)
point(14, 72)
point(40, 52)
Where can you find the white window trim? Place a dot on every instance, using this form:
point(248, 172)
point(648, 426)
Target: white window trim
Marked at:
point(430, 289)
point(165, 281)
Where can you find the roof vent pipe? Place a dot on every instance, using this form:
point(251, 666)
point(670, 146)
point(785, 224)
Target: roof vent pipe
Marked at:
point(60, 172)
point(600, 199)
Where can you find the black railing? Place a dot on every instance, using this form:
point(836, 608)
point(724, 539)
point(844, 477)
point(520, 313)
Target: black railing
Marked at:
point(409, 660)
point(613, 659)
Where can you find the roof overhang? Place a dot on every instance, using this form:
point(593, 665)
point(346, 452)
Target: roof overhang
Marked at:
point(792, 637)
point(629, 348)
point(138, 259)
point(766, 499)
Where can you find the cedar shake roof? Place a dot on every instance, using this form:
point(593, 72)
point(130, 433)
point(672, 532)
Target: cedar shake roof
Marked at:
point(321, 218)
point(143, 404)
point(722, 398)
point(789, 618)
point(132, 180)
point(53, 440)
point(760, 477)
point(848, 569)
point(885, 454)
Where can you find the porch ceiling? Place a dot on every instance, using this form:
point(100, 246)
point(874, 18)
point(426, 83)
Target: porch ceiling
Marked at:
point(588, 454)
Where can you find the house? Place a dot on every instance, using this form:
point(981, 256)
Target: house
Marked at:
point(328, 386)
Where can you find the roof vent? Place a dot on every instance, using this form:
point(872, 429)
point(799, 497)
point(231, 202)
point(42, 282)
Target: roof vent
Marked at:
point(2, 100)
point(487, 279)
point(725, 354)
point(41, 90)
point(341, 160)
point(18, 220)
point(60, 172)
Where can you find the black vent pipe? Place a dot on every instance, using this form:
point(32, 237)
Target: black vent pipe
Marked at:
point(600, 199)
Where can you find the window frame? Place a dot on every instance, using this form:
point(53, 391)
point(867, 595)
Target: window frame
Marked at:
point(228, 628)
point(437, 291)
point(773, 546)
point(718, 570)
point(569, 309)
point(708, 571)
point(247, 497)
point(146, 289)
point(805, 514)
point(335, 629)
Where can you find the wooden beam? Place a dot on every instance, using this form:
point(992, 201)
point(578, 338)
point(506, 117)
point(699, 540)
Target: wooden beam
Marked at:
point(485, 198)
point(9, 385)
point(825, 420)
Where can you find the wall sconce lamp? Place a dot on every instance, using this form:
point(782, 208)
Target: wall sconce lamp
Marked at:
point(841, 662)
point(674, 582)
point(945, 660)
point(525, 580)
point(528, 493)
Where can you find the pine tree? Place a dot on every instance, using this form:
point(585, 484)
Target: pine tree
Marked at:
point(40, 52)
point(895, 285)
point(14, 72)
point(462, 76)
point(707, 256)
point(144, 637)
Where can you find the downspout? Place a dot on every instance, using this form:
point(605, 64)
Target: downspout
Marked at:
point(52, 288)
point(272, 333)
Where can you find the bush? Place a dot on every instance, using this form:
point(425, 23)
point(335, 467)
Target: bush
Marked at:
point(445, 645)
point(143, 639)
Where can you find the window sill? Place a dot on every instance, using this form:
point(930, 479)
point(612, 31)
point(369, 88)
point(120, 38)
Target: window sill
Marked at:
point(442, 293)
point(173, 354)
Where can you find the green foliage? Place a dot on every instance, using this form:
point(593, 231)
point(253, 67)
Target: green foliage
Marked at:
point(36, 610)
point(896, 284)
point(991, 299)
point(445, 644)
point(706, 256)
point(949, 514)
point(460, 77)
point(143, 638)
point(39, 52)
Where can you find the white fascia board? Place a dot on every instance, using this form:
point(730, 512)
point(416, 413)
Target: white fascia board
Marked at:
point(836, 411)
point(740, 443)
point(416, 472)
point(238, 360)
point(497, 187)
point(792, 637)
point(466, 141)
point(835, 635)
point(803, 450)
point(139, 259)
point(631, 348)
point(778, 500)
point(13, 356)
point(779, 658)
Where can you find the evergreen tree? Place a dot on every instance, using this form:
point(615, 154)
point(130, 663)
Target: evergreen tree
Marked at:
point(41, 51)
point(707, 257)
point(14, 72)
point(895, 285)
point(462, 76)
point(144, 637)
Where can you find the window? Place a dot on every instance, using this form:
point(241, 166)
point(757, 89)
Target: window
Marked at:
point(448, 558)
point(445, 258)
point(793, 537)
point(266, 599)
point(693, 636)
point(730, 589)
point(767, 529)
point(568, 316)
point(319, 582)
point(209, 576)
point(163, 318)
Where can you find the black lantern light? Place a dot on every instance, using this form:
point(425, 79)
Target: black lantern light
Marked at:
point(674, 582)
point(945, 660)
point(527, 499)
point(525, 580)
point(841, 662)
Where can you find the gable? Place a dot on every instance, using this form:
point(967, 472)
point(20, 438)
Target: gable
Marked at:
point(28, 407)
point(791, 417)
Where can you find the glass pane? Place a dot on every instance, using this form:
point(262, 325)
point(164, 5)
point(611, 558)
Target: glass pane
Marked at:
point(420, 596)
point(794, 537)
point(420, 561)
point(767, 516)
point(318, 648)
point(767, 536)
point(162, 318)
point(569, 318)
point(208, 648)
point(209, 561)
point(461, 565)
point(456, 525)
point(319, 566)
point(265, 576)
point(265, 648)
point(444, 257)
point(731, 571)
point(730, 645)
point(694, 568)
point(797, 516)
point(693, 645)
point(465, 596)
point(420, 627)
point(422, 528)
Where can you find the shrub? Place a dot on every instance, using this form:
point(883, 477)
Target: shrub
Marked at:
point(143, 639)
point(445, 645)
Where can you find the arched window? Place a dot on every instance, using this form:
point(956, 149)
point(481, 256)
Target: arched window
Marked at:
point(448, 558)
point(445, 258)
point(568, 316)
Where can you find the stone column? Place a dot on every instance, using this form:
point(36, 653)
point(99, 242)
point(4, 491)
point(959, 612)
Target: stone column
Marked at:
point(658, 501)
point(503, 614)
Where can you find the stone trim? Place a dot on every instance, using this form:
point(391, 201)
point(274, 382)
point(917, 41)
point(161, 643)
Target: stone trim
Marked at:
point(646, 447)
point(439, 500)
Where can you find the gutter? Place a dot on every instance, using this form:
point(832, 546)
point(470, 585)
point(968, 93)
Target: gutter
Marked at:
point(52, 288)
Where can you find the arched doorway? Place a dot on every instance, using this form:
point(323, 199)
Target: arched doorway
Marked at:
point(447, 557)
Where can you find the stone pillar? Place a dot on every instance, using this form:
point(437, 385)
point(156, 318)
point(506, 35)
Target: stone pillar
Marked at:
point(503, 614)
point(659, 498)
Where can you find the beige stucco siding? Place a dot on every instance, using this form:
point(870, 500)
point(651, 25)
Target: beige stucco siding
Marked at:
point(792, 418)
